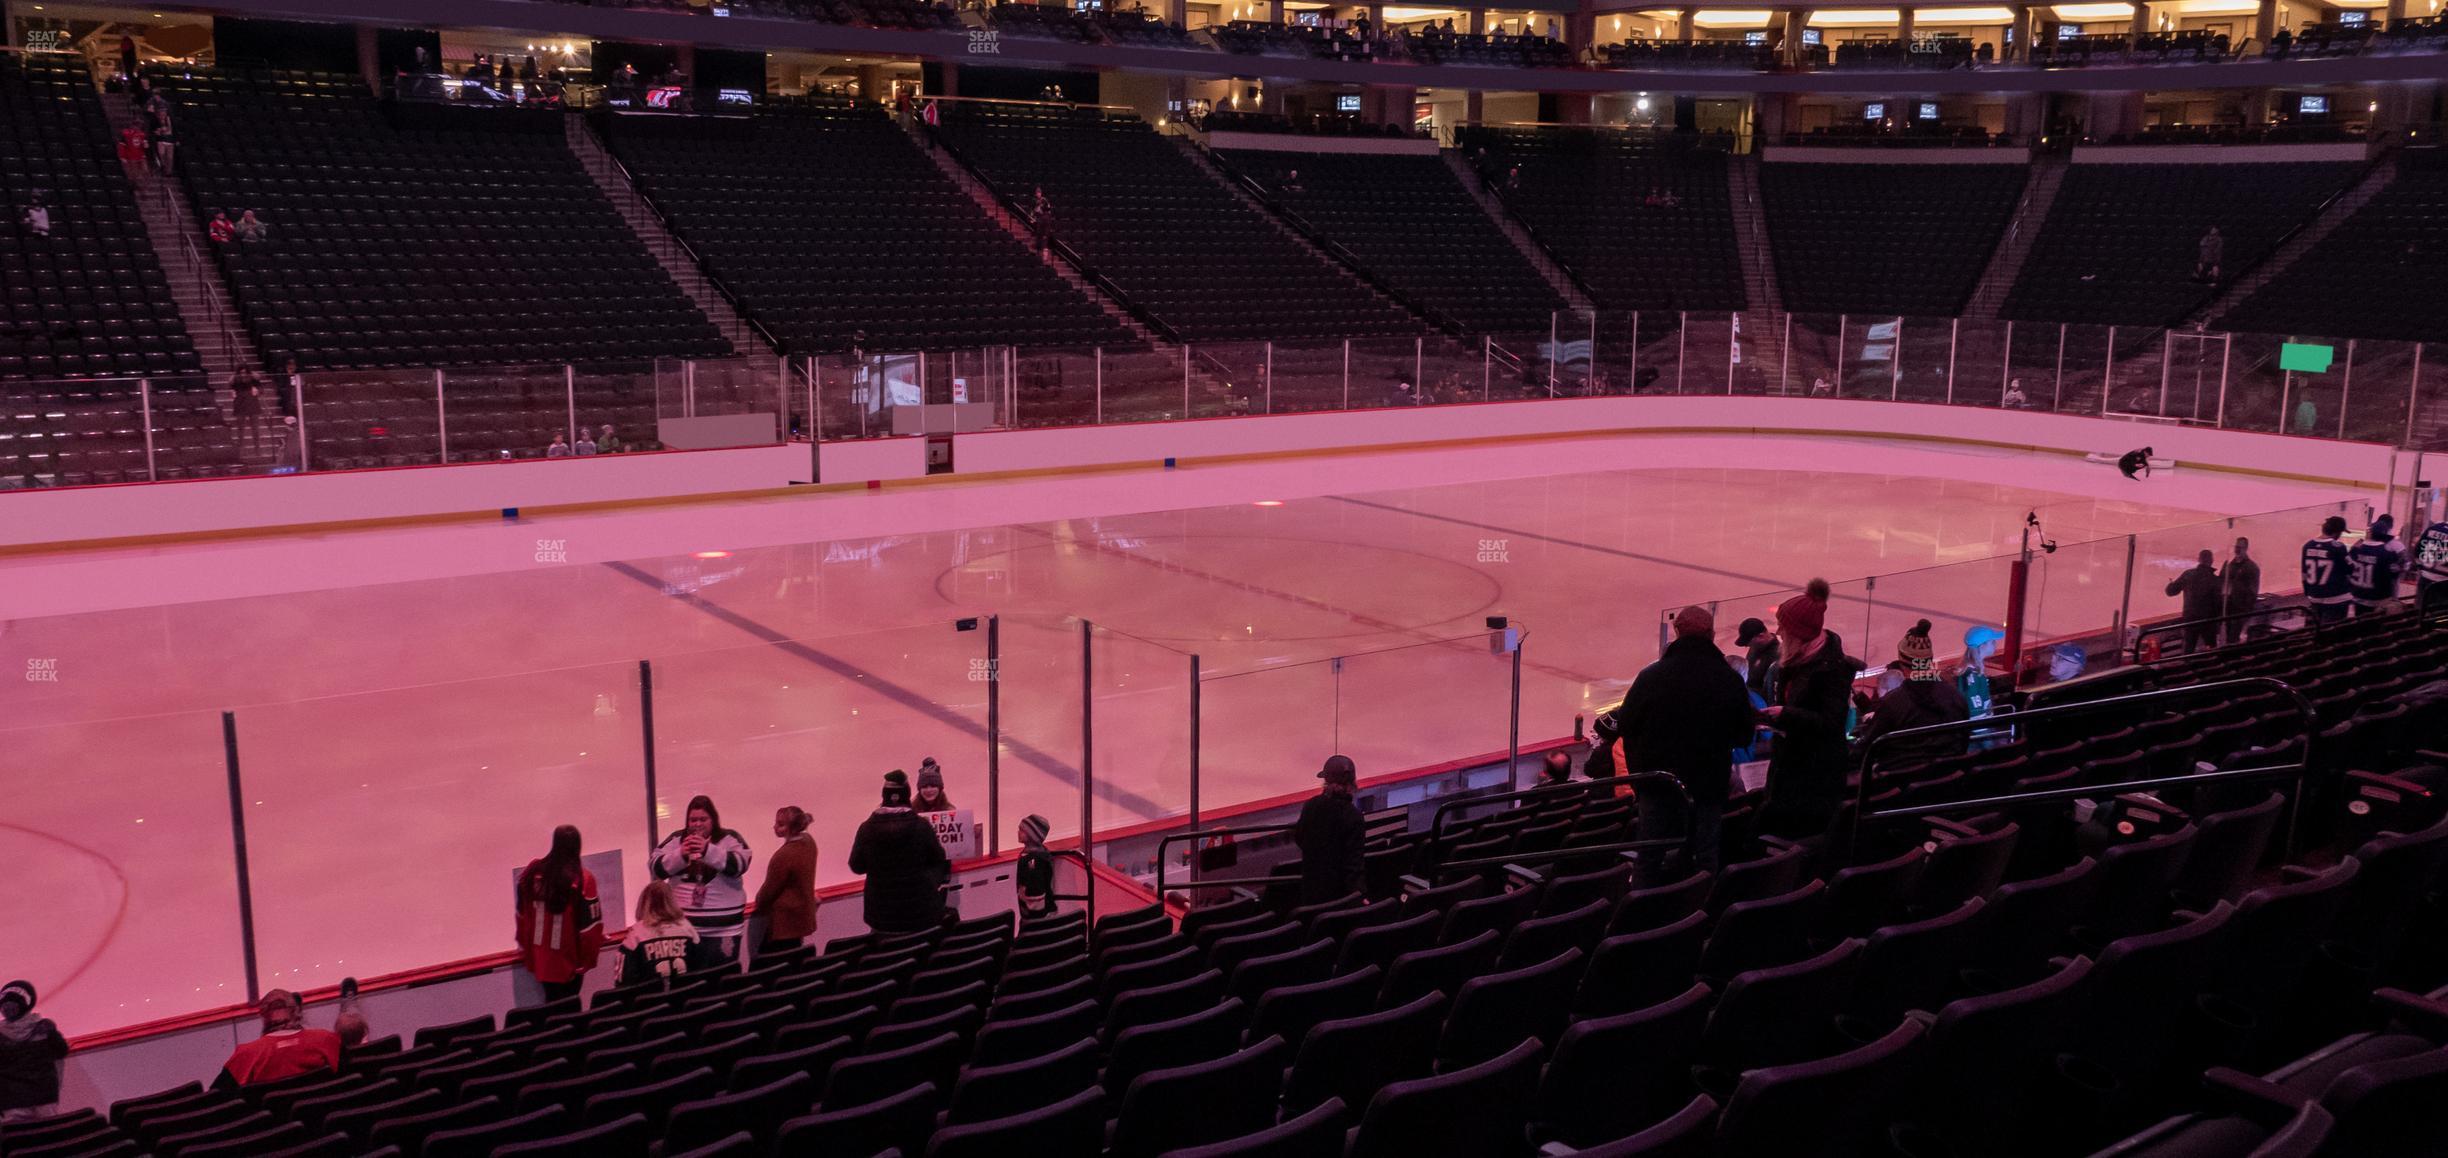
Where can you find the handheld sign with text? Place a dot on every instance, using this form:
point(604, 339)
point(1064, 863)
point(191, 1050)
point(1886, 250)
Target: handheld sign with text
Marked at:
point(957, 830)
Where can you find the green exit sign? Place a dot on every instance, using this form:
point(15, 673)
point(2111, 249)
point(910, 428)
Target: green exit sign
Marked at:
point(2305, 358)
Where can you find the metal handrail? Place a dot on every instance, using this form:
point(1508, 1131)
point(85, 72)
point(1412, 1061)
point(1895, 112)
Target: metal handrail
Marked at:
point(1171, 839)
point(1436, 823)
point(1863, 814)
point(2177, 626)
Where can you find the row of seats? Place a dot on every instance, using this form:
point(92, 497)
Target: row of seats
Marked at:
point(498, 248)
point(1409, 220)
point(1596, 198)
point(1151, 220)
point(88, 298)
point(2371, 276)
point(826, 222)
point(1907, 240)
point(2122, 243)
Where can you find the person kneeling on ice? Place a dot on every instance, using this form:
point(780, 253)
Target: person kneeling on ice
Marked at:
point(2135, 461)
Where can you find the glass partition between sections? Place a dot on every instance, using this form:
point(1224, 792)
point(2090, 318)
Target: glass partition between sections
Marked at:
point(1306, 375)
point(816, 723)
point(1041, 674)
point(1870, 350)
point(1758, 352)
point(1142, 385)
point(1453, 371)
point(1140, 727)
point(1387, 372)
point(1812, 354)
point(2082, 369)
point(2256, 387)
point(2378, 390)
point(1264, 732)
point(366, 418)
point(1709, 349)
point(1925, 360)
point(507, 412)
point(384, 828)
point(1654, 343)
point(2429, 420)
point(1229, 378)
point(2035, 359)
point(126, 889)
point(1052, 387)
point(1980, 364)
point(2139, 385)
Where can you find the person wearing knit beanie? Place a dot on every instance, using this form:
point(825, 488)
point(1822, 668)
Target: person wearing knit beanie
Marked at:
point(1033, 876)
point(1814, 696)
point(1801, 619)
point(1920, 658)
point(30, 1052)
point(930, 796)
point(1921, 701)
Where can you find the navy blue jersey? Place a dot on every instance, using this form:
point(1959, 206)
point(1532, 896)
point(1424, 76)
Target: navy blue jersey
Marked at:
point(2431, 552)
point(2324, 572)
point(2371, 571)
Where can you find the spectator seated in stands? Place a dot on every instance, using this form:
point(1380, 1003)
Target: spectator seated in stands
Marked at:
point(221, 229)
point(288, 1047)
point(30, 1052)
point(250, 227)
point(37, 217)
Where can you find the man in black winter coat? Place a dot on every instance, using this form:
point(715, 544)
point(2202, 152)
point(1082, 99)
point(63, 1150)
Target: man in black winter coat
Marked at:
point(904, 864)
point(2203, 594)
point(1685, 715)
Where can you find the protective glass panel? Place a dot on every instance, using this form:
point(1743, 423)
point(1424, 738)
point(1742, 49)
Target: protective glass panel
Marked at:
point(2139, 385)
point(1054, 388)
point(1142, 385)
point(1229, 378)
point(1870, 351)
point(127, 888)
point(1927, 353)
point(1980, 364)
point(2082, 370)
point(1812, 354)
point(1656, 352)
point(1306, 376)
point(1708, 353)
point(383, 828)
point(1758, 352)
point(2382, 381)
point(2256, 387)
point(1141, 725)
point(2034, 354)
point(2430, 421)
point(365, 418)
point(512, 412)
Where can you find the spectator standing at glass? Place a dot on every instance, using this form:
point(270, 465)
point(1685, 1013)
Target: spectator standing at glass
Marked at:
point(786, 903)
point(707, 865)
point(560, 918)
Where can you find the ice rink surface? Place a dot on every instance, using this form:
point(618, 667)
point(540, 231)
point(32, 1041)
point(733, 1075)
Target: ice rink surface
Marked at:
point(415, 707)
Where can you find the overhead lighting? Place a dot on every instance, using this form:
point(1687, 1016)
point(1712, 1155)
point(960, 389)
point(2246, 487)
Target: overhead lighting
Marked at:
point(2085, 12)
point(713, 554)
point(1732, 17)
point(1972, 15)
point(2217, 7)
point(1856, 17)
point(1268, 503)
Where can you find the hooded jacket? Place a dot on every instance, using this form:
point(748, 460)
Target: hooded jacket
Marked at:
point(905, 866)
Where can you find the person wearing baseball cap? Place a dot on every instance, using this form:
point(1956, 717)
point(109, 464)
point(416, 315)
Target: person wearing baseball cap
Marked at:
point(1330, 833)
point(30, 1052)
point(1685, 715)
point(1759, 657)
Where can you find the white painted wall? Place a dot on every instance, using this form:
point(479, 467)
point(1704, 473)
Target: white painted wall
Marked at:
point(29, 518)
